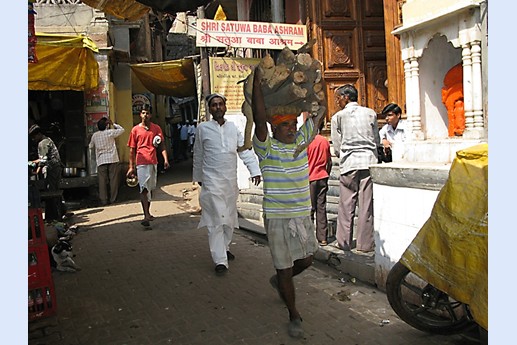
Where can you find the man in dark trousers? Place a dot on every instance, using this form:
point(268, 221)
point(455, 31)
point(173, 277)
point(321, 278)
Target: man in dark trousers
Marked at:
point(106, 156)
point(320, 164)
point(50, 166)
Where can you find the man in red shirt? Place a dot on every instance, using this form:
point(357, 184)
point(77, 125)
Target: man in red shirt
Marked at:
point(144, 141)
point(320, 164)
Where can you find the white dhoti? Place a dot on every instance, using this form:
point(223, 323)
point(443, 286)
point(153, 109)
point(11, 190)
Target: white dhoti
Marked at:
point(147, 175)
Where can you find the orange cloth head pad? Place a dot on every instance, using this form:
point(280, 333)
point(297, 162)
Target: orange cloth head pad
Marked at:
point(291, 110)
point(278, 119)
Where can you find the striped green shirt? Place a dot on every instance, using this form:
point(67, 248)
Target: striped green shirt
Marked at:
point(285, 178)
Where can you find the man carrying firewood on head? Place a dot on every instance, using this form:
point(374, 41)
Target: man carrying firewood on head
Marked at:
point(286, 203)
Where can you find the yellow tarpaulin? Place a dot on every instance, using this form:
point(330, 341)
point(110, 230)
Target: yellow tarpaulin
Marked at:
point(64, 63)
point(170, 78)
point(451, 250)
point(124, 9)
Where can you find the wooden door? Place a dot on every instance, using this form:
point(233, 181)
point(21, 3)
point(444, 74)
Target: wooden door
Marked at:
point(351, 46)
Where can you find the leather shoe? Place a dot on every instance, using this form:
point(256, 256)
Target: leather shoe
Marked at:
point(230, 256)
point(220, 269)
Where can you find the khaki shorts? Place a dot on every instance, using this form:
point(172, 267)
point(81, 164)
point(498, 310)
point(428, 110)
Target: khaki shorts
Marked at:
point(289, 243)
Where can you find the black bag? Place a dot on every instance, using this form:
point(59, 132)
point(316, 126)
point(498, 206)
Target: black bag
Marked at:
point(383, 157)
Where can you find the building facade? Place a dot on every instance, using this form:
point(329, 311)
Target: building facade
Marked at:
point(444, 51)
point(120, 42)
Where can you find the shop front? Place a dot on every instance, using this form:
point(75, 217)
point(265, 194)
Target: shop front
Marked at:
point(66, 97)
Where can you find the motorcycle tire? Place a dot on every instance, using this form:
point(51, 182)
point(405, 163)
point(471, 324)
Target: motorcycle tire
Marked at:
point(423, 306)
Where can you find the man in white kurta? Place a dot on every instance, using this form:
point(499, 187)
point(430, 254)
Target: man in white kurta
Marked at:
point(215, 170)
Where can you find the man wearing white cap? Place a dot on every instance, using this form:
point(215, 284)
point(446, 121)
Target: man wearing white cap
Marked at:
point(215, 169)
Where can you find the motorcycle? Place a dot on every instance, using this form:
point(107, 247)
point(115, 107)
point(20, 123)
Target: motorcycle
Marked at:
point(440, 283)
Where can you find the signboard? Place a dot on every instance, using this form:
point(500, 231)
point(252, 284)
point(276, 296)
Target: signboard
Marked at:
point(225, 73)
point(139, 101)
point(92, 119)
point(257, 35)
point(96, 106)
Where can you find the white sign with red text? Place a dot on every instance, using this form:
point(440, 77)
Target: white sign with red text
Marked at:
point(257, 35)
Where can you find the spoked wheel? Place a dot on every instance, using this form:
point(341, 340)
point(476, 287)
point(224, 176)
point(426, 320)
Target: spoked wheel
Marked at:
point(423, 306)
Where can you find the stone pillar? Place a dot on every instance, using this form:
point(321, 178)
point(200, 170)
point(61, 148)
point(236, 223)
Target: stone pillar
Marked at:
point(472, 90)
point(467, 86)
point(414, 118)
point(243, 14)
point(477, 93)
point(205, 68)
point(407, 78)
point(415, 86)
point(469, 35)
point(277, 11)
point(243, 10)
point(410, 57)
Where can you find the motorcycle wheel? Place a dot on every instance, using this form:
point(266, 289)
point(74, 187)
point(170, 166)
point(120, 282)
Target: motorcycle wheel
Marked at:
point(423, 306)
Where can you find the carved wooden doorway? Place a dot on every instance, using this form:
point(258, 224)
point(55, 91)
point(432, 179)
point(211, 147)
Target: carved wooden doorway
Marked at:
point(352, 48)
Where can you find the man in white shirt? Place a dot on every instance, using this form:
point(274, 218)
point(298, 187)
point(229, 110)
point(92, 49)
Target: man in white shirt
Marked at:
point(215, 170)
point(108, 168)
point(393, 131)
point(191, 136)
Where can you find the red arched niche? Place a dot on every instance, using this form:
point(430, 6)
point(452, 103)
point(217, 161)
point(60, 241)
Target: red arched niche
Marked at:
point(452, 98)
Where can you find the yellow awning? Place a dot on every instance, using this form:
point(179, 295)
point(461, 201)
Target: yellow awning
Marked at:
point(171, 78)
point(64, 63)
point(124, 9)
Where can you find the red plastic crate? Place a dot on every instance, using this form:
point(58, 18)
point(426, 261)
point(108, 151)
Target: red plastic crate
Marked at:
point(39, 269)
point(42, 300)
point(41, 294)
point(36, 227)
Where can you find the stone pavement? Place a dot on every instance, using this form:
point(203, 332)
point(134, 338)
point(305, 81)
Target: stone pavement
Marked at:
point(159, 287)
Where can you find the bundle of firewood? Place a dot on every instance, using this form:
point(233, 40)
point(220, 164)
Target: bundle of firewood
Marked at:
point(292, 85)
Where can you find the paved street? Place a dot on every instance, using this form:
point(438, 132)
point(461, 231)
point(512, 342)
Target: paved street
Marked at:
point(159, 286)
